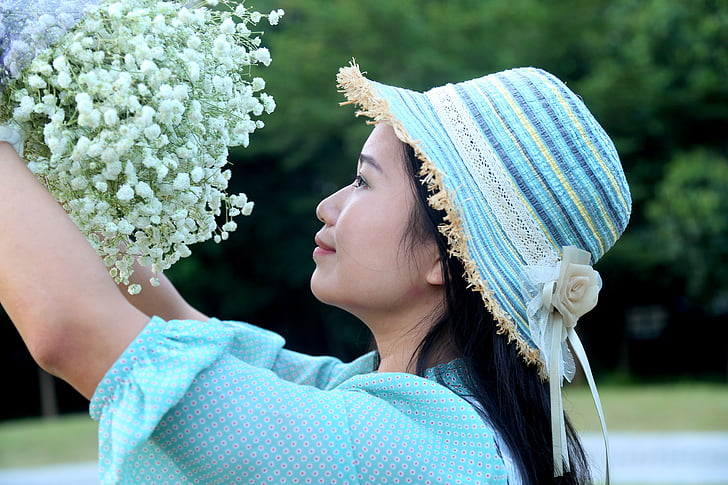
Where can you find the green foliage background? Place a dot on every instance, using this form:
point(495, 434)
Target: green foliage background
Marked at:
point(655, 74)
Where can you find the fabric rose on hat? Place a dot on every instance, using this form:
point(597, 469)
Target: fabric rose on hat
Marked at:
point(576, 291)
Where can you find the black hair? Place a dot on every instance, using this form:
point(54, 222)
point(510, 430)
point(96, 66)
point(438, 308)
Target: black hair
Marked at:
point(513, 396)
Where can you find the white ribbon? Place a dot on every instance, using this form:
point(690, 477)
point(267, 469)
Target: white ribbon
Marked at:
point(557, 296)
point(14, 136)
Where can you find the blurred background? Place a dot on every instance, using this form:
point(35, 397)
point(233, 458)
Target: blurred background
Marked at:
point(654, 73)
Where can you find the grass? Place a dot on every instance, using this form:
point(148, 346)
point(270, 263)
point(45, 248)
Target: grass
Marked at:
point(651, 407)
point(655, 407)
point(35, 442)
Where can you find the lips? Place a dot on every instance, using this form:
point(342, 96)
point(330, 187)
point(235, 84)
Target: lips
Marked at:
point(322, 245)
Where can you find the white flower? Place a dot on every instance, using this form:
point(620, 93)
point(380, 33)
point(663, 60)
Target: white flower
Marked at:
point(152, 132)
point(35, 81)
point(111, 117)
point(148, 67)
point(143, 190)
point(125, 227)
point(227, 26)
point(258, 84)
point(181, 92)
point(197, 174)
point(132, 136)
point(116, 10)
point(194, 42)
point(64, 79)
point(125, 193)
point(248, 208)
point(262, 55)
point(576, 291)
point(186, 16)
point(182, 181)
point(274, 16)
point(146, 116)
point(229, 226)
point(165, 91)
point(221, 46)
point(24, 109)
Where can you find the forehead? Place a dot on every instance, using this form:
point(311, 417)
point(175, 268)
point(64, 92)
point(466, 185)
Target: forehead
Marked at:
point(383, 150)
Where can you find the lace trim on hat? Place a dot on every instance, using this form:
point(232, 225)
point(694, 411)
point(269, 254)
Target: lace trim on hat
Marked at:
point(361, 93)
point(514, 215)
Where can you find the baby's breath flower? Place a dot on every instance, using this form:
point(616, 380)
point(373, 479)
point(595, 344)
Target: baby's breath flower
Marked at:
point(182, 181)
point(111, 117)
point(227, 26)
point(132, 137)
point(262, 55)
point(248, 208)
point(125, 193)
point(274, 16)
point(258, 84)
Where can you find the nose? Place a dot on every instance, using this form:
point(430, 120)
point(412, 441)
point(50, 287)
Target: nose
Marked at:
point(327, 211)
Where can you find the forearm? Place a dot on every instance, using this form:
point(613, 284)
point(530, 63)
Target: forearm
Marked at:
point(53, 285)
point(163, 301)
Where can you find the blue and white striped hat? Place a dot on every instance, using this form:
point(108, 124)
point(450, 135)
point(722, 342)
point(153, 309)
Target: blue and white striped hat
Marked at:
point(521, 168)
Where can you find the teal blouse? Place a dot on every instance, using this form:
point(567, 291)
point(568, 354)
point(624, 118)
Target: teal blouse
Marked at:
point(223, 402)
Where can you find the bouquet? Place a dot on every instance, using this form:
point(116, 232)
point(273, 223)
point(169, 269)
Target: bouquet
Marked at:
point(127, 109)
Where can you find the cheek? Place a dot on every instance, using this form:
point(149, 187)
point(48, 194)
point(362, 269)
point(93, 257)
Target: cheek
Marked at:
point(371, 244)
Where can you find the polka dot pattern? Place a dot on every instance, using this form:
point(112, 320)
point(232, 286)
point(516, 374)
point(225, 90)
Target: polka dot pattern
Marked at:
point(224, 402)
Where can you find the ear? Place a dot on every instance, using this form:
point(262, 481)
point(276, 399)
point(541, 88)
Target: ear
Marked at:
point(434, 273)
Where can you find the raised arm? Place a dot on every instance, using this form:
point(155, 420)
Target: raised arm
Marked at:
point(54, 287)
point(163, 300)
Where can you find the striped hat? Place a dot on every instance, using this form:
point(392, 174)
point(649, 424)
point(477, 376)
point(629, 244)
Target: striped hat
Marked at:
point(521, 168)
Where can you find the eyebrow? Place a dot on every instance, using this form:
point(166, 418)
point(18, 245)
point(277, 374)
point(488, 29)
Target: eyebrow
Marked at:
point(369, 160)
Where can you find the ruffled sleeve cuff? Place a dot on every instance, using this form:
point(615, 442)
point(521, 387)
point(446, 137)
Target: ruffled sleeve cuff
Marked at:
point(151, 376)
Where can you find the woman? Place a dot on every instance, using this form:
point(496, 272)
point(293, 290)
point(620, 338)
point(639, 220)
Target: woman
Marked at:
point(454, 245)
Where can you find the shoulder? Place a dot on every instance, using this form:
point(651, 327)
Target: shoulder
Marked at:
point(406, 416)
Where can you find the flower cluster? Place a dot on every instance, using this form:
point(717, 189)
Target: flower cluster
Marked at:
point(128, 117)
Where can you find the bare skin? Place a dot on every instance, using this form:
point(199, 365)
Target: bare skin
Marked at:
point(53, 285)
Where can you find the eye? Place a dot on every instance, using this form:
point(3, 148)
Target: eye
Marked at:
point(359, 182)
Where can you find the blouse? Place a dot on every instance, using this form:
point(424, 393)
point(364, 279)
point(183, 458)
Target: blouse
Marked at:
point(223, 402)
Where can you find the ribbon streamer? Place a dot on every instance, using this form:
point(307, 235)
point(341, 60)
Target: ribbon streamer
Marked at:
point(558, 296)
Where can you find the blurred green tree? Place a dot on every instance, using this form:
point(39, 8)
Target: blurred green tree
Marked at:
point(689, 218)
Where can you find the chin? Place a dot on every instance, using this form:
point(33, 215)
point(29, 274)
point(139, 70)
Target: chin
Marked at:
point(316, 290)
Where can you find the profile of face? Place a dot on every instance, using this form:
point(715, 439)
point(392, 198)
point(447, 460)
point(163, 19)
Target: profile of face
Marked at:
point(364, 263)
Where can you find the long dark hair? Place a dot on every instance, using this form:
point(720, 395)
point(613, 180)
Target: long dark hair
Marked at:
point(514, 398)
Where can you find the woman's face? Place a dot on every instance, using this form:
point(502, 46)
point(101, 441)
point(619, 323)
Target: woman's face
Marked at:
point(362, 264)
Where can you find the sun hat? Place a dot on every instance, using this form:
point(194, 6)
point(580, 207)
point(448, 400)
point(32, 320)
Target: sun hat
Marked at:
point(533, 192)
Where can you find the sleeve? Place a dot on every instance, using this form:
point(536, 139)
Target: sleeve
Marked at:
point(265, 349)
point(180, 407)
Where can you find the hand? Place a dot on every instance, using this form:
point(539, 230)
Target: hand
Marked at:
point(14, 136)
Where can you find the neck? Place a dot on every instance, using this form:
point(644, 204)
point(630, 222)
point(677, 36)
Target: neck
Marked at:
point(397, 350)
point(400, 329)
point(398, 345)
